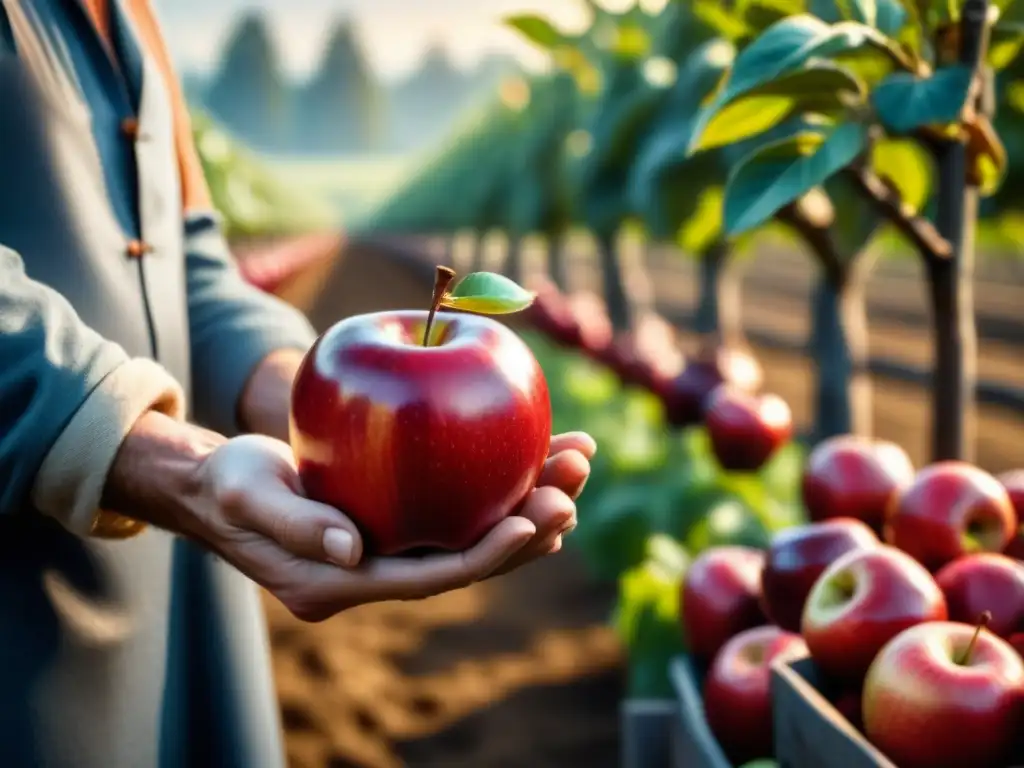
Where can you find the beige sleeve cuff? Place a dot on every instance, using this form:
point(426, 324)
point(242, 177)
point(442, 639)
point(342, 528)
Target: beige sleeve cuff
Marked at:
point(70, 482)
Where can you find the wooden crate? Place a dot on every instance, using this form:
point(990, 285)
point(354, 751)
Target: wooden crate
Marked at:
point(694, 746)
point(647, 733)
point(809, 731)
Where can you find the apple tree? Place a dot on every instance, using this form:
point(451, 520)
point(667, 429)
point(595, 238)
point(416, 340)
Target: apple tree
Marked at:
point(617, 103)
point(914, 72)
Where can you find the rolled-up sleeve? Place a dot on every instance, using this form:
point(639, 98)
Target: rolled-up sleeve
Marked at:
point(68, 398)
point(233, 325)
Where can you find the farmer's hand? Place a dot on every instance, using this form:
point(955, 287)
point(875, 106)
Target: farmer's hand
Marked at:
point(242, 499)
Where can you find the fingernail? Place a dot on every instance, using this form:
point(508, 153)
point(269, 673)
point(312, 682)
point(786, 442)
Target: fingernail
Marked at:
point(580, 489)
point(567, 530)
point(338, 546)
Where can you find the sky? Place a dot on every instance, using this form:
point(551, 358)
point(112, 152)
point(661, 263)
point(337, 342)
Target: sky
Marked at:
point(394, 33)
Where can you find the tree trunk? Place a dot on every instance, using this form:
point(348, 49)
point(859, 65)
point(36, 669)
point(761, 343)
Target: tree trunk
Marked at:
point(557, 268)
point(514, 259)
point(951, 281)
point(615, 296)
point(719, 312)
point(839, 347)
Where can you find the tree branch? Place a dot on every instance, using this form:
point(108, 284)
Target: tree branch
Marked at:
point(918, 230)
point(818, 238)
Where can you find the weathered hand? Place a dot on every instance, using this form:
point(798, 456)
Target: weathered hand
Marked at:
point(249, 508)
point(551, 507)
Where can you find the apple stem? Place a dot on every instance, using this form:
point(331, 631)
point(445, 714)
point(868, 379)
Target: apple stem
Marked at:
point(442, 279)
point(983, 620)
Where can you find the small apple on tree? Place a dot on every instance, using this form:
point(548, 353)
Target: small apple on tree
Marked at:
point(426, 428)
point(746, 430)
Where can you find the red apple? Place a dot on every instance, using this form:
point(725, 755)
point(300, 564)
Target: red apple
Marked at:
point(746, 429)
point(985, 582)
point(797, 557)
point(737, 692)
point(685, 397)
point(951, 509)
point(863, 600)
point(551, 314)
point(851, 476)
point(422, 446)
point(937, 696)
point(591, 318)
point(720, 597)
point(1013, 482)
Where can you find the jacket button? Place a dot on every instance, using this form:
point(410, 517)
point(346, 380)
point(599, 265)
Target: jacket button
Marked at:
point(130, 128)
point(137, 249)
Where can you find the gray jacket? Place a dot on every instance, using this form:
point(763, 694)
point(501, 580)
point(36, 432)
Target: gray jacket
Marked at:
point(113, 302)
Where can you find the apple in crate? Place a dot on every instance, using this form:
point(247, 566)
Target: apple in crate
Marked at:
point(797, 556)
point(737, 691)
point(853, 476)
point(863, 600)
point(945, 695)
point(985, 582)
point(426, 428)
point(721, 598)
point(1013, 482)
point(951, 509)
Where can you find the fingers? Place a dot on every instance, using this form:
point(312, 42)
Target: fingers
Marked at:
point(302, 527)
point(573, 441)
point(567, 471)
point(405, 579)
point(553, 515)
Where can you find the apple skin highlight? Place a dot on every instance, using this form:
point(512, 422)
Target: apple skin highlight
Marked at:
point(422, 446)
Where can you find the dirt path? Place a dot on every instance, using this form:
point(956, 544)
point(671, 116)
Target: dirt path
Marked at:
point(520, 672)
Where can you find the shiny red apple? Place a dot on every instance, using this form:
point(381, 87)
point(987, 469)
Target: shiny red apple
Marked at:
point(737, 692)
point(951, 509)
point(936, 696)
point(745, 429)
point(852, 476)
point(720, 597)
point(591, 318)
point(422, 446)
point(797, 556)
point(551, 314)
point(863, 600)
point(985, 582)
point(685, 397)
point(1013, 482)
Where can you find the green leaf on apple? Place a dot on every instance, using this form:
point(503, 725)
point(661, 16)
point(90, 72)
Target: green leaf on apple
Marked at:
point(487, 293)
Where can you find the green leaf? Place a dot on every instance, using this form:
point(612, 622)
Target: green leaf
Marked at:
point(781, 49)
point(819, 87)
point(788, 45)
point(536, 29)
point(908, 166)
point(864, 11)
point(1005, 44)
point(781, 172)
point(488, 294)
point(905, 102)
point(718, 18)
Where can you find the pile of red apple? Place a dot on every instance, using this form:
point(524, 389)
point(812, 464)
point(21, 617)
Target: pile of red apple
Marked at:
point(906, 594)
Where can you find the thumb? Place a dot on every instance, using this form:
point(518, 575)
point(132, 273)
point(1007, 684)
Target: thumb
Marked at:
point(305, 528)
